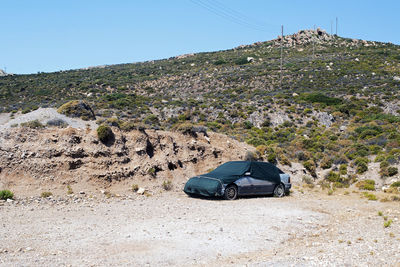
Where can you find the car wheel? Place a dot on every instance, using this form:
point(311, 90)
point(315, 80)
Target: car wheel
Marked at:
point(279, 190)
point(231, 192)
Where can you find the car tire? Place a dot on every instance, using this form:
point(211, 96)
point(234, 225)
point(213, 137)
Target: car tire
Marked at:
point(231, 192)
point(279, 190)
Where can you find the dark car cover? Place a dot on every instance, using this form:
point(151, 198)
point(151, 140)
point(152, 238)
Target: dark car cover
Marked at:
point(210, 184)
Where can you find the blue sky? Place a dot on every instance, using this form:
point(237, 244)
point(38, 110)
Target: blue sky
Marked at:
point(53, 35)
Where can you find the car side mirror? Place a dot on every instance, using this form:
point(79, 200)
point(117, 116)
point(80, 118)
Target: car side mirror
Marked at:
point(247, 173)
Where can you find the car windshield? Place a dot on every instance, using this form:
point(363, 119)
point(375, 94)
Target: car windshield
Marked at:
point(280, 172)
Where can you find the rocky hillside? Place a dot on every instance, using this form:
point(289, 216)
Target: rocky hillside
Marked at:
point(333, 109)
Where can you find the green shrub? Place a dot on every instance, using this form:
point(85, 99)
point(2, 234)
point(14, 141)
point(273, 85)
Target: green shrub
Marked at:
point(310, 167)
point(135, 187)
point(250, 156)
point(392, 171)
point(78, 109)
point(46, 194)
point(167, 185)
point(128, 126)
point(384, 164)
point(380, 158)
point(271, 158)
point(57, 123)
point(321, 98)
point(343, 169)
point(104, 133)
point(284, 160)
point(395, 184)
point(69, 190)
point(151, 120)
point(387, 223)
point(33, 124)
point(370, 196)
point(362, 164)
point(247, 125)
point(6, 194)
point(326, 163)
point(308, 180)
point(241, 61)
point(333, 177)
point(366, 185)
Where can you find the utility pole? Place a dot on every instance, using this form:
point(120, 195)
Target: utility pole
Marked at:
point(336, 24)
point(313, 43)
point(281, 55)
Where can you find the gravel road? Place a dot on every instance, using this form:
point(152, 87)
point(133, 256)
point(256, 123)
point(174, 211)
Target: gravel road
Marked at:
point(172, 229)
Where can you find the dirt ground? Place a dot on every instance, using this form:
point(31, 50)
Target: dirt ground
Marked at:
point(171, 229)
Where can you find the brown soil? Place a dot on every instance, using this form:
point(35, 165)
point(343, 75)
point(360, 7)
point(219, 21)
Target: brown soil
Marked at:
point(33, 161)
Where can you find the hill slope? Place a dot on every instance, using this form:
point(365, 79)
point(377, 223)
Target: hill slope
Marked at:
point(336, 111)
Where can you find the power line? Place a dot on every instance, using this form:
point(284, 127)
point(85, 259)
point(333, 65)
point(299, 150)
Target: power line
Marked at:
point(239, 15)
point(226, 15)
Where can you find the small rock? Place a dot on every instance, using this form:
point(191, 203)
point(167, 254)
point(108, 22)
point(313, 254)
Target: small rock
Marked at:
point(141, 191)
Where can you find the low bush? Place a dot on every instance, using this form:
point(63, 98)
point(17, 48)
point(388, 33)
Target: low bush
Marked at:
point(251, 156)
point(395, 184)
point(272, 158)
point(167, 185)
point(310, 167)
point(6, 194)
point(284, 160)
point(392, 171)
point(308, 180)
point(46, 194)
point(104, 133)
point(69, 190)
point(387, 223)
point(128, 126)
point(370, 196)
point(135, 187)
point(57, 123)
point(343, 169)
point(326, 163)
point(77, 108)
point(33, 124)
point(366, 185)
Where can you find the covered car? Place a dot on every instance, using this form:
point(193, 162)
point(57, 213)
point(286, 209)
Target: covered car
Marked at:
point(237, 178)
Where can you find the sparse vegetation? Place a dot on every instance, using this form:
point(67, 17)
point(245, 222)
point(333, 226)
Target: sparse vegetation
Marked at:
point(69, 190)
point(387, 223)
point(366, 185)
point(135, 187)
point(370, 196)
point(35, 124)
point(167, 185)
point(6, 194)
point(46, 194)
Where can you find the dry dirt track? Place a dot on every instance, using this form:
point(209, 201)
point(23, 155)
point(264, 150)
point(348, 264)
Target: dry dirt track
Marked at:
point(172, 229)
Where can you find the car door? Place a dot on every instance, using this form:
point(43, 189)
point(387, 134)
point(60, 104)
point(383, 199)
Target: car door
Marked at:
point(262, 186)
point(245, 187)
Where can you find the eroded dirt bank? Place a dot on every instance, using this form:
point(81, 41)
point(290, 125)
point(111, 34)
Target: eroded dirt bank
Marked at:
point(37, 160)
